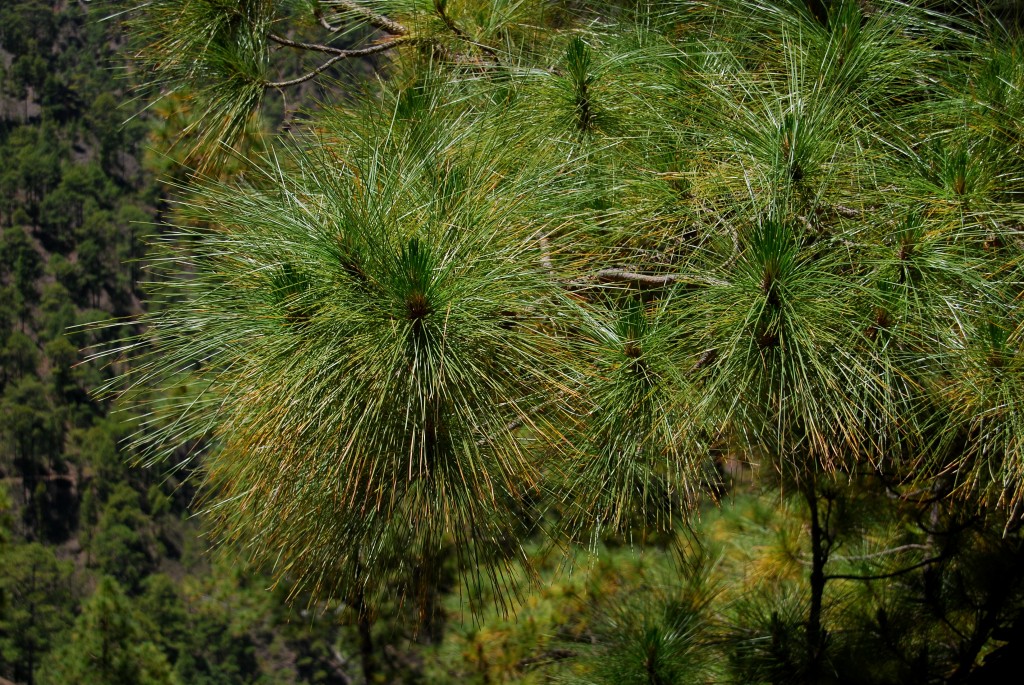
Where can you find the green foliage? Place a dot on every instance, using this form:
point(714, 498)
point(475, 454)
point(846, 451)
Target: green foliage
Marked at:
point(5, 520)
point(220, 46)
point(122, 545)
point(36, 596)
point(544, 278)
point(392, 303)
point(109, 645)
point(638, 466)
point(657, 634)
point(32, 433)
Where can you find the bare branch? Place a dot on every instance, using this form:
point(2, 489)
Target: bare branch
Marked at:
point(651, 281)
point(304, 77)
point(318, 47)
point(338, 55)
point(882, 553)
point(319, 14)
point(439, 7)
point(882, 576)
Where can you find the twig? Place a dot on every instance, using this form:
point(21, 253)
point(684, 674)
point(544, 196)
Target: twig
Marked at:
point(883, 576)
point(319, 14)
point(339, 54)
point(439, 7)
point(884, 552)
point(318, 47)
point(650, 281)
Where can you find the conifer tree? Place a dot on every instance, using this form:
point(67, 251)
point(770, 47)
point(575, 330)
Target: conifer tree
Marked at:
point(109, 645)
point(560, 257)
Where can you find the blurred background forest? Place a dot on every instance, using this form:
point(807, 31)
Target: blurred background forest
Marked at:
point(97, 557)
point(105, 575)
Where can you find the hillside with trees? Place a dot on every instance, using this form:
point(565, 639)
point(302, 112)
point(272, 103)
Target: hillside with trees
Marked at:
point(476, 341)
point(98, 557)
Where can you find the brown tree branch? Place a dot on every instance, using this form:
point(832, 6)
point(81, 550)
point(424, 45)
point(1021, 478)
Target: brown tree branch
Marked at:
point(318, 47)
point(338, 53)
point(615, 275)
point(319, 14)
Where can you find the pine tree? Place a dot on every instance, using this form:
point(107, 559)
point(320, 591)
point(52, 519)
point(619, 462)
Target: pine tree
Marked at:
point(109, 645)
point(561, 260)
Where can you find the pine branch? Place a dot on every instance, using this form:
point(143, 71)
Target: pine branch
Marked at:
point(376, 20)
point(439, 6)
point(882, 553)
point(318, 47)
point(882, 576)
point(338, 53)
point(319, 14)
point(615, 275)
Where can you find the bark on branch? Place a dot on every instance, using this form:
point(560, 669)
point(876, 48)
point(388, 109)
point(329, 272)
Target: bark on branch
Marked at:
point(319, 47)
point(615, 275)
point(338, 53)
point(848, 212)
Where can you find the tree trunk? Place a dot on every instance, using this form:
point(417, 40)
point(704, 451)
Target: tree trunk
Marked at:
point(427, 577)
point(816, 635)
point(367, 653)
